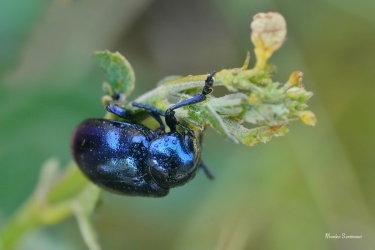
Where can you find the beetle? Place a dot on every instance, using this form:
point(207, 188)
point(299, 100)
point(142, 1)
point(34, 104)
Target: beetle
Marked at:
point(129, 158)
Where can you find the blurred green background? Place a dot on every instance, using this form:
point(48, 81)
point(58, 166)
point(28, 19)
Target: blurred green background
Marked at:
point(286, 194)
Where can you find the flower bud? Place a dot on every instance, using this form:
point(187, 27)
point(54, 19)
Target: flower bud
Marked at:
point(295, 80)
point(253, 99)
point(307, 117)
point(268, 30)
point(268, 34)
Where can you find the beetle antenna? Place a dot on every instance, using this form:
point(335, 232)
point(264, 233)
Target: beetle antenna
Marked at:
point(170, 118)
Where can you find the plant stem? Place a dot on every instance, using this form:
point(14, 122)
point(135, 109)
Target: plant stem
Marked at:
point(22, 222)
point(49, 209)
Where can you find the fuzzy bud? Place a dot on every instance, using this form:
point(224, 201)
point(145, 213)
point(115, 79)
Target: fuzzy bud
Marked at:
point(295, 79)
point(268, 34)
point(268, 30)
point(307, 117)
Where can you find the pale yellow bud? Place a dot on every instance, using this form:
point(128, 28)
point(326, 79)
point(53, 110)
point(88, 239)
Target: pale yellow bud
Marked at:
point(295, 79)
point(253, 99)
point(268, 30)
point(307, 117)
point(268, 34)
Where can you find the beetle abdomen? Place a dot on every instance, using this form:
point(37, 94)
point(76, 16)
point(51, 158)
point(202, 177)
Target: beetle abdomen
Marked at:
point(113, 155)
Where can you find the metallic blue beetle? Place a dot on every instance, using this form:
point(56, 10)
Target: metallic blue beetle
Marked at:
point(131, 159)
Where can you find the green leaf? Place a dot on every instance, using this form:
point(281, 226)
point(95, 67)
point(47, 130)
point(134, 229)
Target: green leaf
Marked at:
point(229, 105)
point(119, 71)
point(251, 137)
point(217, 123)
point(267, 114)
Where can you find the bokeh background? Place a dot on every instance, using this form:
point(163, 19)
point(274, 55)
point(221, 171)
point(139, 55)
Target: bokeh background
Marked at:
point(286, 194)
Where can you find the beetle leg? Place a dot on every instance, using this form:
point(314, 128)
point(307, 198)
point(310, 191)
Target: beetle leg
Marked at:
point(154, 112)
point(206, 171)
point(191, 132)
point(120, 112)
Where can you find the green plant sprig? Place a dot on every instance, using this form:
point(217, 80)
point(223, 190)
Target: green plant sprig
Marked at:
point(256, 110)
